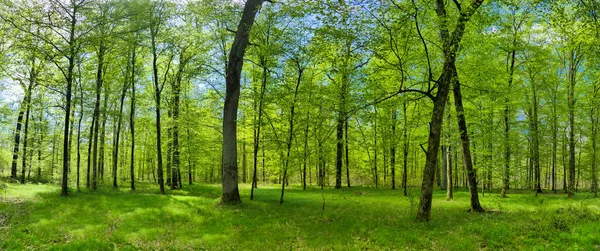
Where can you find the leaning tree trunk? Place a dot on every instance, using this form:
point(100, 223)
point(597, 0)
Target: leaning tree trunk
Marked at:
point(230, 193)
point(450, 43)
point(291, 131)
point(464, 137)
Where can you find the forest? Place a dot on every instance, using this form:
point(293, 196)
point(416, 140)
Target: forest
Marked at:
point(294, 124)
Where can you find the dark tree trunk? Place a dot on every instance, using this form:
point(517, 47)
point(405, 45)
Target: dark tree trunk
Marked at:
point(115, 159)
point(405, 150)
point(347, 152)
point(230, 193)
point(258, 125)
point(290, 137)
point(450, 49)
point(26, 129)
point(99, 82)
point(464, 136)
point(393, 150)
point(573, 66)
point(15, 156)
point(507, 153)
point(132, 120)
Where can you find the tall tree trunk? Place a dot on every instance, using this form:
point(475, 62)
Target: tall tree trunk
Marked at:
point(573, 65)
point(290, 138)
point(99, 82)
point(258, 126)
point(405, 149)
point(507, 120)
point(594, 120)
point(230, 193)
point(347, 152)
point(102, 127)
point(26, 129)
point(450, 48)
point(157, 100)
point(375, 148)
point(15, 156)
point(115, 158)
point(535, 139)
point(305, 156)
point(393, 149)
point(464, 136)
point(131, 118)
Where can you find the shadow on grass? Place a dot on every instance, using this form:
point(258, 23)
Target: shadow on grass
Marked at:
point(356, 218)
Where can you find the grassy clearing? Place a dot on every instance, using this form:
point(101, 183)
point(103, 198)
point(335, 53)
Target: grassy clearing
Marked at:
point(35, 217)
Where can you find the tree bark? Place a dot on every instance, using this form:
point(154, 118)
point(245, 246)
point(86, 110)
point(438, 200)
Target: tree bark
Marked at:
point(450, 43)
point(230, 193)
point(15, 156)
point(464, 136)
point(132, 118)
point(573, 65)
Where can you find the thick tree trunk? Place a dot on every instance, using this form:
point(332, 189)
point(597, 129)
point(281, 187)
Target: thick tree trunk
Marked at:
point(230, 193)
point(26, 129)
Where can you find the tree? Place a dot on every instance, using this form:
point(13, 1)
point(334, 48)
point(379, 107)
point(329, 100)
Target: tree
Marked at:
point(230, 193)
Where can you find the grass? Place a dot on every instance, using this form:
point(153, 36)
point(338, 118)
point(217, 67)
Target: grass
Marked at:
point(36, 217)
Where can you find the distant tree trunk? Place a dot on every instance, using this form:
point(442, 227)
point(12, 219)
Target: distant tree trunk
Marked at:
point(375, 149)
point(131, 119)
point(15, 156)
point(257, 127)
point(506, 178)
point(230, 192)
point(176, 176)
point(347, 152)
point(594, 120)
point(554, 139)
point(79, 134)
point(448, 167)
point(405, 149)
point(305, 156)
point(89, 153)
point(102, 127)
point(290, 138)
point(393, 149)
point(115, 158)
point(26, 129)
point(535, 139)
point(573, 66)
point(99, 81)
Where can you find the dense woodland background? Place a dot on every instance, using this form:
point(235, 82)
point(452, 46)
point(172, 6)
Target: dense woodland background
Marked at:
point(333, 93)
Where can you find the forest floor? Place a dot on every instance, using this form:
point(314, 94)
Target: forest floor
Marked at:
point(36, 217)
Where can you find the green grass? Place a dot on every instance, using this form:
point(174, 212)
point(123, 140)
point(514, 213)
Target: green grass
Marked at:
point(36, 217)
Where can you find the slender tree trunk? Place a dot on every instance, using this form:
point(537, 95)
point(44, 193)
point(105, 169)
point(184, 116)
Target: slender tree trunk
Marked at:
point(305, 156)
point(464, 136)
point(405, 149)
point(507, 110)
point(393, 150)
point(535, 139)
point(347, 152)
point(15, 156)
point(375, 150)
point(26, 129)
point(115, 158)
point(99, 82)
point(132, 118)
point(290, 138)
point(258, 126)
point(573, 65)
